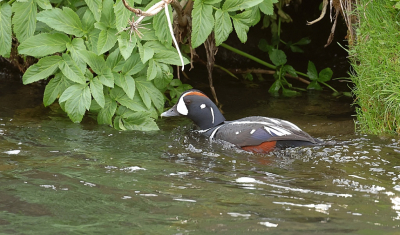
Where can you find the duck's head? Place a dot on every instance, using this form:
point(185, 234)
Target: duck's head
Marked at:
point(195, 105)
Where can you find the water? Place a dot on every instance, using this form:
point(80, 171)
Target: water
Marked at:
point(57, 177)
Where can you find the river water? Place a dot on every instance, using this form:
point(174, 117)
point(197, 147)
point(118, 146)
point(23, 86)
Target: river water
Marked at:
point(57, 177)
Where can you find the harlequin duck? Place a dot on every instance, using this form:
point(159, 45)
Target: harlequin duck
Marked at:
point(256, 134)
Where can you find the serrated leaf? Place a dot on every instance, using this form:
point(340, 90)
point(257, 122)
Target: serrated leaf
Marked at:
point(151, 70)
point(95, 6)
point(44, 44)
point(160, 25)
point(135, 104)
point(290, 70)
point(133, 65)
point(24, 19)
point(164, 54)
point(5, 30)
point(211, 2)
point(113, 59)
point(267, 6)
point(325, 75)
point(96, 88)
point(127, 83)
point(88, 21)
point(315, 86)
point(107, 39)
point(145, 52)
point(165, 76)
point(55, 88)
point(235, 5)
point(125, 45)
point(44, 4)
point(275, 87)
point(70, 69)
point(106, 77)
point(223, 26)
point(312, 71)
point(76, 45)
point(78, 102)
point(203, 23)
point(122, 15)
point(65, 20)
point(96, 62)
point(140, 123)
point(277, 57)
point(105, 115)
point(149, 93)
point(107, 13)
point(93, 37)
point(42, 69)
point(241, 29)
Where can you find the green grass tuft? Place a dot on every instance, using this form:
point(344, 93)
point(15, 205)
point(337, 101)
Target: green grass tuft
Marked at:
point(376, 62)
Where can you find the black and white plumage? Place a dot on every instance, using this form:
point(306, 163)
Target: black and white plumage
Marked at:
point(256, 134)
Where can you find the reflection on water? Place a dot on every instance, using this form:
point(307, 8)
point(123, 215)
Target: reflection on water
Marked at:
point(57, 177)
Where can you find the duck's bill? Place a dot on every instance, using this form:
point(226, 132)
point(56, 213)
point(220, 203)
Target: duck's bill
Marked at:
point(172, 112)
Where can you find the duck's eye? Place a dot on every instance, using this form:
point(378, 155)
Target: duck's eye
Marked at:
point(188, 101)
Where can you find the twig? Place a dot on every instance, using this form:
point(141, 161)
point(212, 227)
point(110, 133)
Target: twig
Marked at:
point(264, 71)
point(325, 2)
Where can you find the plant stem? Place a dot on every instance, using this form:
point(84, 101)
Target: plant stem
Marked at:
point(333, 89)
point(11, 2)
point(242, 53)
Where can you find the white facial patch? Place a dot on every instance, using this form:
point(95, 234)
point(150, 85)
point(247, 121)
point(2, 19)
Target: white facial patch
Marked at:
point(202, 106)
point(181, 106)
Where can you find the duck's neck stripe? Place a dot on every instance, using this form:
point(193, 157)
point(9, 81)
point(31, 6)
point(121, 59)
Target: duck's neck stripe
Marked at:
point(212, 113)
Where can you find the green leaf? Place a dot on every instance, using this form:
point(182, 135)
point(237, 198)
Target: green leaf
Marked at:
point(105, 115)
point(96, 62)
point(65, 20)
point(164, 77)
point(88, 21)
point(312, 71)
point(107, 39)
point(140, 122)
point(125, 45)
point(96, 89)
point(44, 44)
point(5, 30)
point(44, 4)
point(289, 92)
point(277, 57)
point(203, 22)
point(24, 19)
point(296, 49)
point(151, 70)
point(95, 6)
point(145, 52)
point(113, 59)
point(235, 5)
point(223, 26)
point(211, 2)
point(241, 28)
point(164, 54)
point(92, 40)
point(107, 14)
point(303, 41)
point(265, 46)
point(161, 28)
point(290, 70)
point(127, 83)
point(325, 75)
point(267, 6)
point(106, 77)
point(135, 104)
point(55, 88)
point(314, 85)
point(42, 69)
point(78, 102)
point(275, 87)
point(133, 65)
point(70, 70)
point(122, 14)
point(76, 45)
point(149, 93)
